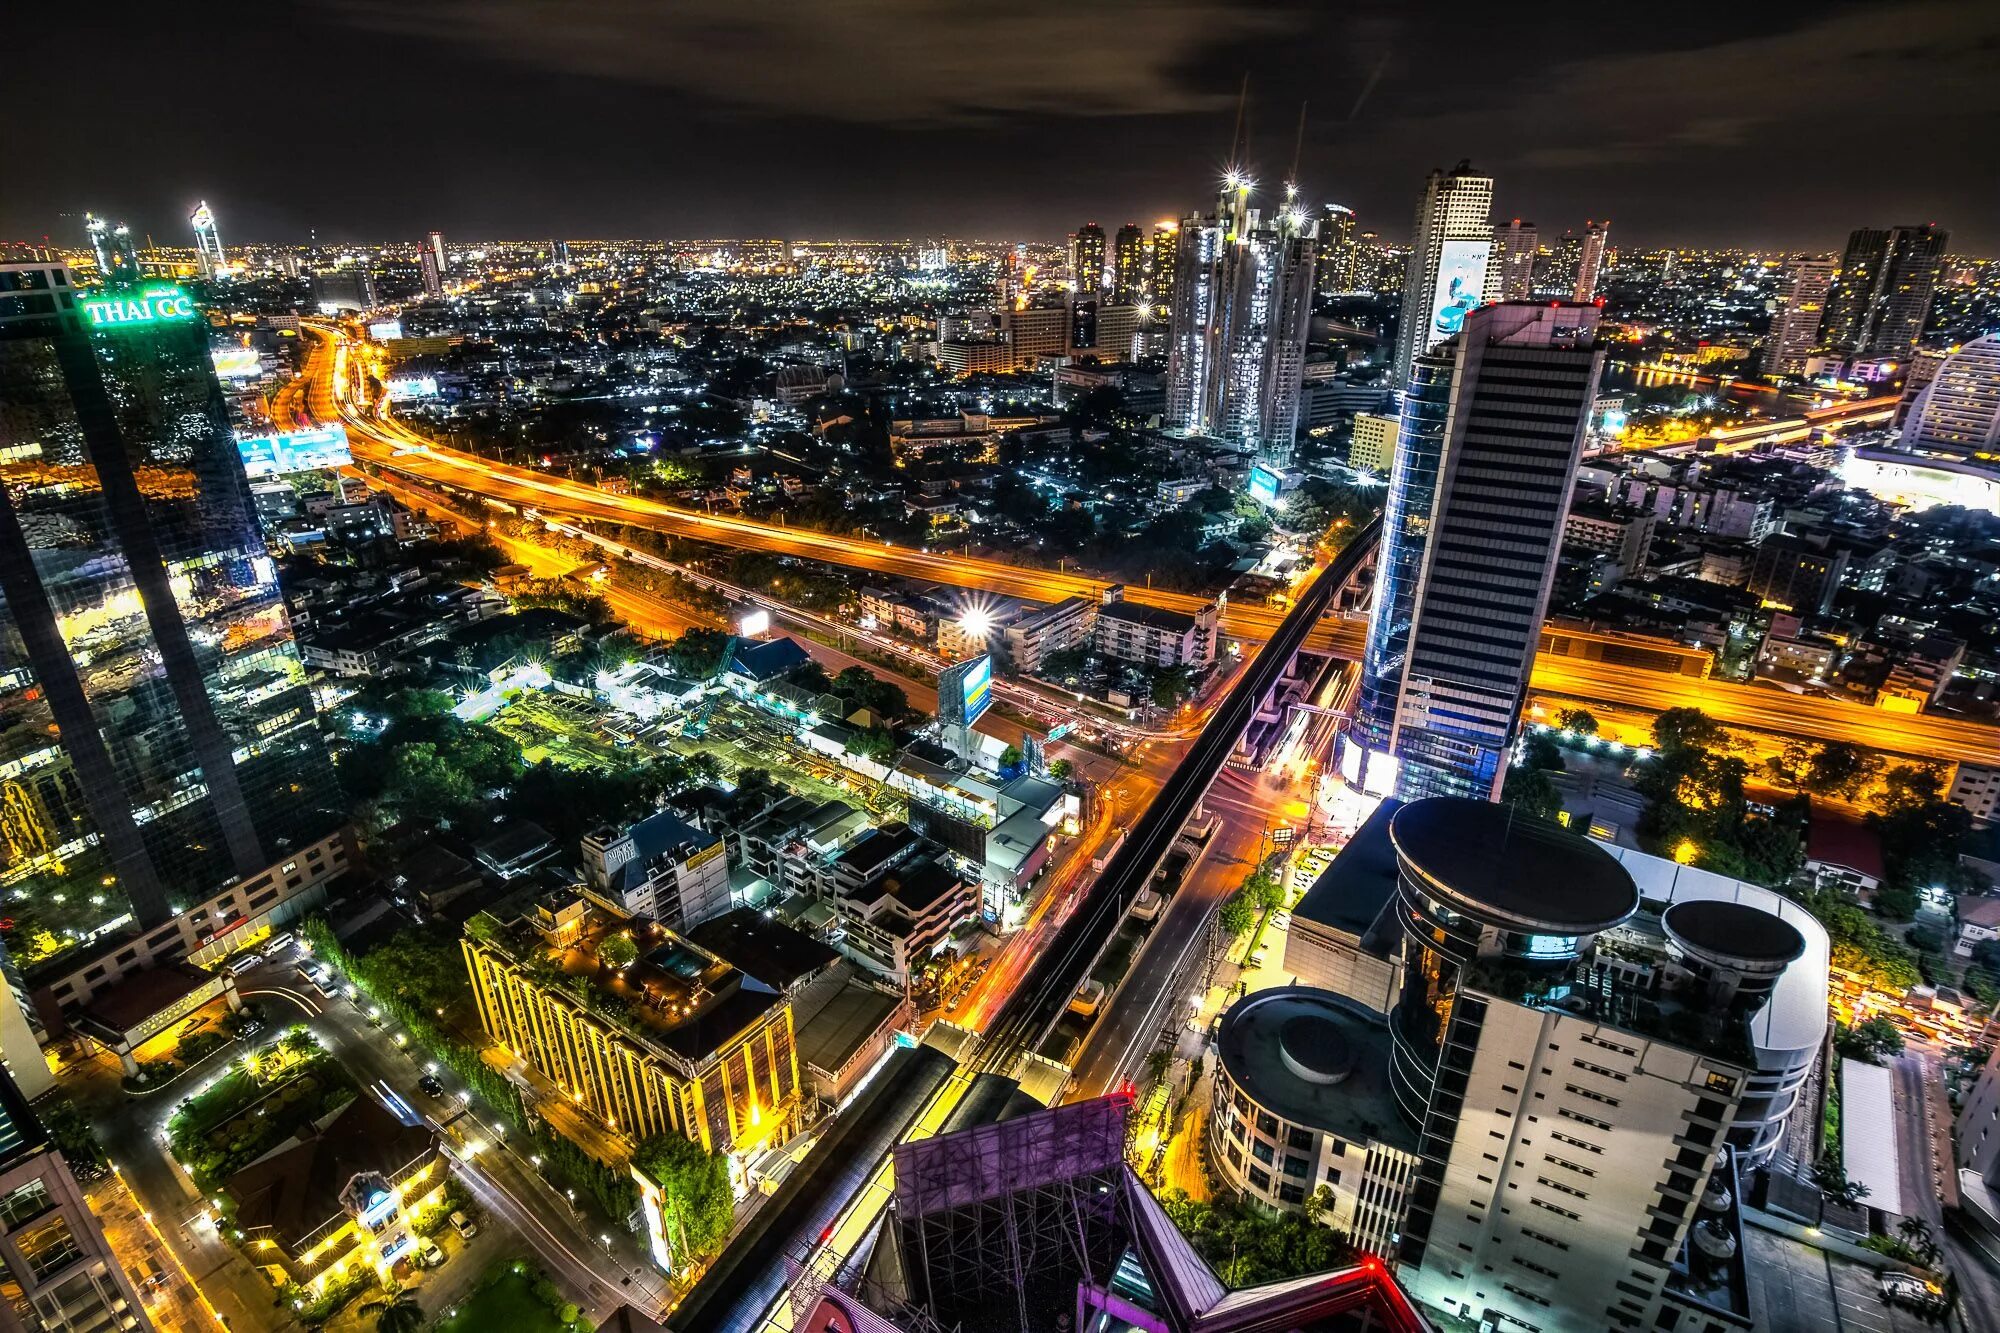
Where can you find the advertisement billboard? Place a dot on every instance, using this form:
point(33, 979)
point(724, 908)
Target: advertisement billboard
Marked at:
point(978, 688)
point(237, 363)
point(293, 451)
point(386, 331)
point(1264, 485)
point(965, 689)
point(406, 387)
point(1461, 278)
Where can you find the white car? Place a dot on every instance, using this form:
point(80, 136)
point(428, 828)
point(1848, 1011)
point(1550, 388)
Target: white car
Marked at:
point(1281, 920)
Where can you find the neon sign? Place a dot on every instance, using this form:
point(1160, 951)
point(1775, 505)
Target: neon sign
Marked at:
point(153, 305)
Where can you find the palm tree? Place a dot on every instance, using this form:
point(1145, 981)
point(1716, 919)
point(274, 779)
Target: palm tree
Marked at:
point(400, 1313)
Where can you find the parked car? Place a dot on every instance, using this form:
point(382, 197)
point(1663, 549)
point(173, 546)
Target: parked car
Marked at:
point(430, 1256)
point(1904, 1288)
point(431, 1085)
point(464, 1226)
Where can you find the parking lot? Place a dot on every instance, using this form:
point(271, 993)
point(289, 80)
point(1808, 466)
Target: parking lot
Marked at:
point(1797, 1289)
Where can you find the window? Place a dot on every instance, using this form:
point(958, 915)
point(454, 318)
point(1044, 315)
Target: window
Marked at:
point(1262, 1151)
point(1260, 1177)
point(31, 1200)
point(1297, 1166)
point(1574, 1142)
point(1235, 1156)
point(48, 1249)
point(1333, 1175)
point(1721, 1083)
point(1589, 1095)
point(1300, 1140)
point(1291, 1194)
point(1267, 1124)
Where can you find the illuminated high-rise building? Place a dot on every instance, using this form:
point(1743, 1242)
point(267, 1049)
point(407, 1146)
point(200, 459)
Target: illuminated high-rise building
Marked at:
point(1241, 307)
point(1882, 294)
point(1338, 271)
point(160, 742)
point(1510, 272)
point(117, 253)
point(1162, 258)
point(1446, 274)
point(1795, 326)
point(1128, 264)
point(1589, 260)
point(434, 242)
point(1492, 426)
point(433, 274)
point(207, 241)
point(1086, 259)
point(1959, 410)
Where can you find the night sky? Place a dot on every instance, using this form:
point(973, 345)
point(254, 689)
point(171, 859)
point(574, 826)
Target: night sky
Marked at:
point(379, 119)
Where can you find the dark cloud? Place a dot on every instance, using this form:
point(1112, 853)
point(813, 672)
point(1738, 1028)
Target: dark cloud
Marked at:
point(1788, 122)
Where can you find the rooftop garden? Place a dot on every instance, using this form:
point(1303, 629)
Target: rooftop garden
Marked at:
point(258, 1103)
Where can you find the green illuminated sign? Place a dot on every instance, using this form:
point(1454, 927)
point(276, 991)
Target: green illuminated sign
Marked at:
point(152, 305)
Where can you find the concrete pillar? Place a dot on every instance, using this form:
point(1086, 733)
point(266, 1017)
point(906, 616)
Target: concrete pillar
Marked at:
point(229, 993)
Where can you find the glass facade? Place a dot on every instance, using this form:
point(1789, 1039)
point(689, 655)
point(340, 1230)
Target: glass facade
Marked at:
point(157, 739)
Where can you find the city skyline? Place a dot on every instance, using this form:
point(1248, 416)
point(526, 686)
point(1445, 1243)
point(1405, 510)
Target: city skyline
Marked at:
point(662, 143)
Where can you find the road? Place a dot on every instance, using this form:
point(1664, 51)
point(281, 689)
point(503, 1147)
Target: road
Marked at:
point(389, 444)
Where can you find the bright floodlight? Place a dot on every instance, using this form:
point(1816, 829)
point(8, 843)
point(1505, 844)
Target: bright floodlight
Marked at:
point(976, 621)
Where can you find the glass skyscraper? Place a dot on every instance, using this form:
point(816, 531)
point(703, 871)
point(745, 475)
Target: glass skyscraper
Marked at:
point(1491, 432)
point(157, 739)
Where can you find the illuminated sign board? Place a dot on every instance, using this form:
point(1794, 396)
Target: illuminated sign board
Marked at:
point(237, 363)
point(1263, 485)
point(978, 688)
point(1461, 280)
point(149, 305)
point(407, 387)
point(754, 623)
point(387, 331)
point(293, 451)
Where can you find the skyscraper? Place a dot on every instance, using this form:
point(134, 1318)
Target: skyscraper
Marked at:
point(1338, 272)
point(207, 241)
point(434, 242)
point(1589, 260)
point(1086, 259)
point(117, 254)
point(1882, 294)
point(1492, 426)
point(1510, 273)
point(1161, 258)
point(1446, 276)
point(433, 273)
point(1241, 307)
point(1959, 410)
point(1795, 326)
point(1128, 264)
point(161, 737)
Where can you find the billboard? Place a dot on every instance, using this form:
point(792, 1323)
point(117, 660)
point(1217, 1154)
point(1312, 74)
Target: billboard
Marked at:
point(1461, 278)
point(965, 690)
point(237, 363)
point(386, 331)
point(1264, 485)
point(293, 451)
point(406, 387)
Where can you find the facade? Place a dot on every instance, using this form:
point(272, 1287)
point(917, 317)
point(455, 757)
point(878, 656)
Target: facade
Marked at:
point(1590, 260)
point(1510, 273)
point(1152, 635)
point(1795, 327)
point(1086, 260)
point(896, 920)
point(60, 1270)
point(1883, 292)
point(1787, 573)
point(164, 736)
point(1446, 273)
point(434, 244)
point(1491, 432)
point(1302, 1102)
point(1958, 412)
point(662, 868)
point(1163, 267)
point(1373, 447)
point(344, 289)
point(1337, 270)
point(1128, 265)
point(1625, 536)
point(678, 1041)
point(207, 240)
point(1237, 340)
point(433, 275)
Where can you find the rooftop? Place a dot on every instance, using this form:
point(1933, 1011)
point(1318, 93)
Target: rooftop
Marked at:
point(1315, 1058)
point(829, 1039)
point(768, 950)
point(1521, 872)
point(295, 1188)
point(1350, 893)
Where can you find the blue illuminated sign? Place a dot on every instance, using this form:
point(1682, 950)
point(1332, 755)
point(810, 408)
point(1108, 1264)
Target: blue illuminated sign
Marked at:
point(978, 689)
point(1263, 485)
point(293, 451)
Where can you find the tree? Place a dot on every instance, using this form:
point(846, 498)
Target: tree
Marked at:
point(1577, 720)
point(1688, 729)
point(1538, 751)
point(400, 1314)
point(1061, 769)
point(1842, 770)
point(877, 743)
point(1533, 792)
point(1265, 891)
point(1157, 1064)
point(1873, 1040)
point(1010, 756)
point(810, 675)
point(1832, 1179)
point(1792, 765)
point(1235, 916)
point(696, 1205)
point(699, 653)
point(1171, 686)
point(617, 951)
point(1909, 787)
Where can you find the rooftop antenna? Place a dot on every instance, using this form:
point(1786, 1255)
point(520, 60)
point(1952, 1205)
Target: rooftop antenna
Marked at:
point(1298, 150)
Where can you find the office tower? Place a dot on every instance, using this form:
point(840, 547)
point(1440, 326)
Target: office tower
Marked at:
point(1128, 264)
point(1882, 294)
point(1492, 427)
point(1583, 1109)
point(207, 241)
point(434, 242)
point(1086, 259)
point(1339, 272)
point(559, 256)
point(1372, 447)
point(1510, 273)
point(1959, 410)
point(1446, 274)
point(162, 737)
point(344, 289)
point(433, 274)
point(1795, 327)
point(1241, 308)
point(60, 1270)
point(117, 253)
point(1162, 258)
point(1589, 261)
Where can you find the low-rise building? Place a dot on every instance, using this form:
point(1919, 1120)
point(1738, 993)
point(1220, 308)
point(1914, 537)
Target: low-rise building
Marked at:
point(1154, 636)
point(662, 868)
point(1624, 535)
point(895, 920)
point(1844, 855)
point(1373, 446)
